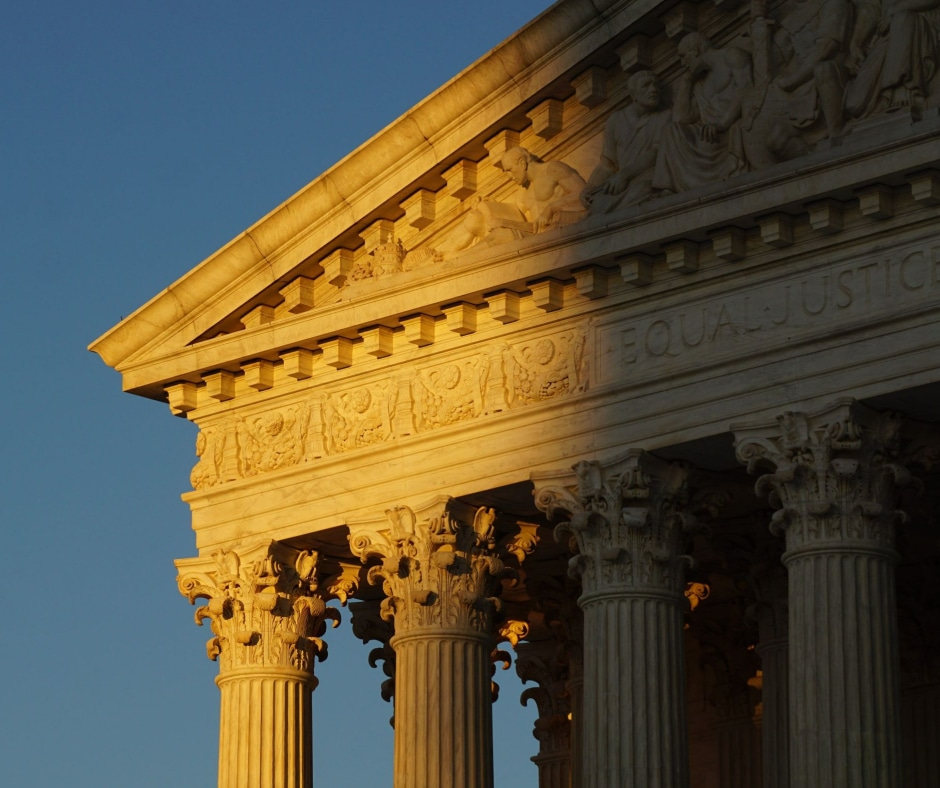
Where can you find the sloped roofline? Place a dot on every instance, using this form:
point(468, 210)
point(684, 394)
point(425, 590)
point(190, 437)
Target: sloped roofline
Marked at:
point(362, 180)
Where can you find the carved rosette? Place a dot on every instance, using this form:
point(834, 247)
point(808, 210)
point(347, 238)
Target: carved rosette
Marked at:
point(437, 572)
point(833, 475)
point(628, 521)
point(263, 606)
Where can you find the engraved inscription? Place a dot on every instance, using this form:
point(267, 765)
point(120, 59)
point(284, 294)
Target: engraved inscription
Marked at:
point(731, 324)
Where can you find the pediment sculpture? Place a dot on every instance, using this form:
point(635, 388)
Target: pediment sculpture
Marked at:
point(802, 74)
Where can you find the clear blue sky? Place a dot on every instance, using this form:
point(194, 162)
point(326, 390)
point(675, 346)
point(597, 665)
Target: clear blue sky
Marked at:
point(135, 139)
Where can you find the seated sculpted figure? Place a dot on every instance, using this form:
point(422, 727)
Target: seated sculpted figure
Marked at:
point(549, 197)
point(631, 139)
point(802, 103)
point(902, 62)
point(704, 144)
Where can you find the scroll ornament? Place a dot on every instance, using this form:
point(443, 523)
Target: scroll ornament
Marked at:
point(832, 476)
point(436, 573)
point(263, 607)
point(627, 523)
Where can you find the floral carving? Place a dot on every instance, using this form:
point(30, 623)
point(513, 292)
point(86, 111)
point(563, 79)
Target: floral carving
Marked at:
point(272, 440)
point(386, 258)
point(833, 476)
point(263, 606)
point(627, 523)
point(358, 417)
point(544, 368)
point(449, 393)
point(436, 572)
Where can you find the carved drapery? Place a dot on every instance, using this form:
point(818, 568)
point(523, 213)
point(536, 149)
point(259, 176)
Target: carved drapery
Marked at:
point(267, 617)
point(627, 524)
point(440, 576)
point(834, 477)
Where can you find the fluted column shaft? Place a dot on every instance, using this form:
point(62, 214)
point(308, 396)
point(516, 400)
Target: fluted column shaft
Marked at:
point(920, 720)
point(775, 716)
point(628, 519)
point(554, 770)
point(739, 754)
point(834, 480)
point(439, 573)
point(443, 710)
point(265, 729)
point(267, 617)
point(634, 730)
point(575, 688)
point(844, 713)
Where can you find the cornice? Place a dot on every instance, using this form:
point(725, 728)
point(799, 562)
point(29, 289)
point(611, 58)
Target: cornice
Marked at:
point(789, 188)
point(426, 139)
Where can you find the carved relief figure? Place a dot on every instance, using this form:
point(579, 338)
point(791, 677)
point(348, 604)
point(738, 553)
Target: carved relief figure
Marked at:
point(207, 472)
point(704, 144)
point(449, 394)
point(899, 67)
point(804, 102)
point(549, 197)
point(624, 176)
point(358, 418)
point(271, 441)
point(545, 368)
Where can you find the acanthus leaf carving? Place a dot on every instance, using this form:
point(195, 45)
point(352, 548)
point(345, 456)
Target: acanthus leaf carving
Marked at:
point(263, 605)
point(628, 521)
point(833, 475)
point(436, 571)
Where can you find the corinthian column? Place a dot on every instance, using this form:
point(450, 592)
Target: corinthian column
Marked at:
point(833, 477)
point(439, 575)
point(626, 520)
point(768, 582)
point(266, 619)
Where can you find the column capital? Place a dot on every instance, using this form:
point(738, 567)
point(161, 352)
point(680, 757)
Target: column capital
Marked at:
point(263, 605)
point(627, 521)
point(832, 475)
point(437, 566)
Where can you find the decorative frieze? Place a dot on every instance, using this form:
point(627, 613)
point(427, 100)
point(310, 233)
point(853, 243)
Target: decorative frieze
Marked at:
point(544, 368)
point(271, 441)
point(354, 418)
point(449, 393)
point(335, 421)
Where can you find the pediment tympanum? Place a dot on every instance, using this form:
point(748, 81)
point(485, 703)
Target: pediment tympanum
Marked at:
point(479, 255)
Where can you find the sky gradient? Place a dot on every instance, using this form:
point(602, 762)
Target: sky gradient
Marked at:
point(137, 138)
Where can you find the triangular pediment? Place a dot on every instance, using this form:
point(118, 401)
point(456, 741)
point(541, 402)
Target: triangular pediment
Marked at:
point(431, 199)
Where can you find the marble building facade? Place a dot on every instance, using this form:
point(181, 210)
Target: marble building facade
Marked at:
point(616, 358)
